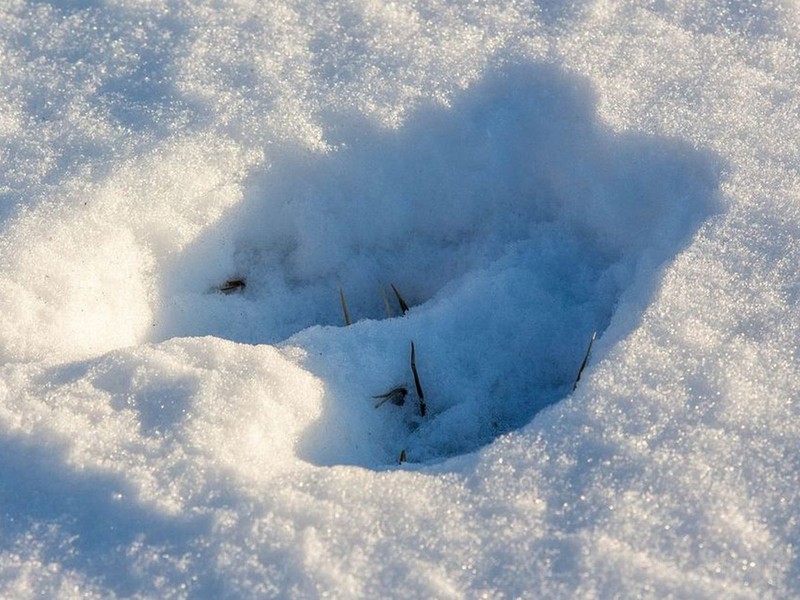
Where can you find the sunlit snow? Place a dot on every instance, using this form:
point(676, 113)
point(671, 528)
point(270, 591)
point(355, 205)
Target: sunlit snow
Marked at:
point(190, 189)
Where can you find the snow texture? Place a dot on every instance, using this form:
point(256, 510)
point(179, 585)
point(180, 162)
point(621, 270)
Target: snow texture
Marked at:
point(188, 190)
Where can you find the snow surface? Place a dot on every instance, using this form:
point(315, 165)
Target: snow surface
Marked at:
point(525, 173)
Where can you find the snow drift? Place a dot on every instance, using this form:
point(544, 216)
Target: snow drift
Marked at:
point(524, 174)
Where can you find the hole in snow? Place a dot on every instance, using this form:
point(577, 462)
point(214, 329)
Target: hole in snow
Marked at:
point(511, 221)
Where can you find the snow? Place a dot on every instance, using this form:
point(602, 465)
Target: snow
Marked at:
point(525, 174)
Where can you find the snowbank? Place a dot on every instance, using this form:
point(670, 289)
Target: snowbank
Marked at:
point(524, 175)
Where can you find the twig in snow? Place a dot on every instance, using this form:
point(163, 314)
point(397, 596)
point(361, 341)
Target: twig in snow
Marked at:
point(585, 361)
point(417, 385)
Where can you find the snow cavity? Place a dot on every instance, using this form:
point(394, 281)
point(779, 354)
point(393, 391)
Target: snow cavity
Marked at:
point(512, 221)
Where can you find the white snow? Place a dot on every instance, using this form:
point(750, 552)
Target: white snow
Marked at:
point(524, 173)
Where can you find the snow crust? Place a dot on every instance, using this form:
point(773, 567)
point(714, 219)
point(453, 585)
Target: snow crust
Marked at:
point(524, 173)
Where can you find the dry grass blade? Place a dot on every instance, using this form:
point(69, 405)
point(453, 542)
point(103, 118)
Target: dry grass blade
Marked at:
point(396, 396)
point(585, 361)
point(386, 303)
point(400, 301)
point(232, 285)
point(347, 320)
point(417, 384)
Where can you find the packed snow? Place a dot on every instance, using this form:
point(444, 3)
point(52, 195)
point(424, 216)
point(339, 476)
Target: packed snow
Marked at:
point(192, 191)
